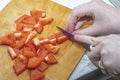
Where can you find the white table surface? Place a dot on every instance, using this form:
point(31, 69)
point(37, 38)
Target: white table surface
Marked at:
point(84, 66)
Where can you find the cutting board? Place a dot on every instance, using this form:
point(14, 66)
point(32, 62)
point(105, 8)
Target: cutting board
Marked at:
point(69, 54)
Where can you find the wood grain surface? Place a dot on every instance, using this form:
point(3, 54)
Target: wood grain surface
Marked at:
point(69, 54)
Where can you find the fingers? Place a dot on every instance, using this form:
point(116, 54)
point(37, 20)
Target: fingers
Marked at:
point(89, 39)
point(76, 14)
point(93, 29)
point(94, 55)
point(79, 24)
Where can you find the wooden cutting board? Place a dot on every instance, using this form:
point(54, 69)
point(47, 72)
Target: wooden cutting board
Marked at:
point(69, 54)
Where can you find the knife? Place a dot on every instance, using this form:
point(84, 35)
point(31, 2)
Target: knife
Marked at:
point(71, 36)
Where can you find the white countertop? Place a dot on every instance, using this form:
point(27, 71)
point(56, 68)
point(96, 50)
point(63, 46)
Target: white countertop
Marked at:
point(84, 66)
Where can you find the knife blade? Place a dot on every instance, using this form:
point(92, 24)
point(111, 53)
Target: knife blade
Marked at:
point(71, 36)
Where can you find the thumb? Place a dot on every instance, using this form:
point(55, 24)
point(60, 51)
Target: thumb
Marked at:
point(89, 39)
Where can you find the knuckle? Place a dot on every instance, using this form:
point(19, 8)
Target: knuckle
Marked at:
point(107, 64)
point(90, 56)
point(104, 52)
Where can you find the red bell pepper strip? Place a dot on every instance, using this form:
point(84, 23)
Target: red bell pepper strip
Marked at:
point(50, 59)
point(29, 20)
point(37, 14)
point(13, 52)
point(19, 66)
point(45, 20)
point(35, 74)
point(38, 27)
point(34, 62)
point(28, 52)
point(19, 20)
point(42, 67)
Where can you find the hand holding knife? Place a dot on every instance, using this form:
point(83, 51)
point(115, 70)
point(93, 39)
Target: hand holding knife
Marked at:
point(71, 36)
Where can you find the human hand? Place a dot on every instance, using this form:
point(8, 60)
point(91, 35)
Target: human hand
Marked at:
point(105, 18)
point(105, 54)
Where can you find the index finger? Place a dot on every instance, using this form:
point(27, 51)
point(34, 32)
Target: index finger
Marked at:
point(89, 39)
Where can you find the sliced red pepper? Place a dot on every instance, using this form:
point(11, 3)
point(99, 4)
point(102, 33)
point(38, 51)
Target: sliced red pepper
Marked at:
point(31, 45)
point(13, 52)
point(34, 62)
point(61, 37)
point(36, 41)
point(29, 20)
point(50, 59)
point(27, 29)
point(21, 43)
point(19, 27)
point(37, 14)
point(44, 41)
point(11, 37)
point(46, 20)
point(50, 48)
point(53, 39)
point(19, 20)
point(38, 27)
point(18, 35)
point(23, 58)
point(6, 41)
point(42, 67)
point(35, 74)
point(42, 53)
point(19, 66)
point(31, 36)
point(55, 50)
point(28, 52)
point(28, 25)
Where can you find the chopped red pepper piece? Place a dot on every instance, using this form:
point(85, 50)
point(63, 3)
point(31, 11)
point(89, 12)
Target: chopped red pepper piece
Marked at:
point(55, 50)
point(28, 25)
point(30, 36)
point(50, 48)
point(28, 52)
point(19, 20)
point(34, 62)
point(37, 14)
point(35, 74)
point(18, 35)
point(21, 42)
point(61, 37)
point(7, 41)
point(31, 45)
point(23, 58)
point(53, 39)
point(42, 67)
point(42, 53)
point(19, 27)
point(38, 27)
point(50, 59)
point(45, 20)
point(13, 52)
point(29, 20)
point(19, 66)
point(44, 41)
